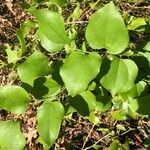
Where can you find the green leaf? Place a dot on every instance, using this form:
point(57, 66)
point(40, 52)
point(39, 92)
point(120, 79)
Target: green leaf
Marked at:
point(59, 2)
point(119, 115)
point(141, 105)
point(83, 103)
point(45, 146)
point(92, 86)
point(138, 24)
point(103, 103)
point(48, 44)
point(121, 127)
point(35, 66)
point(114, 145)
point(51, 25)
point(135, 91)
point(38, 1)
point(11, 137)
point(45, 88)
point(147, 46)
point(143, 64)
point(78, 70)
point(132, 108)
point(49, 117)
point(121, 76)
point(23, 31)
point(77, 12)
point(14, 98)
point(1, 64)
point(12, 55)
point(93, 118)
point(106, 29)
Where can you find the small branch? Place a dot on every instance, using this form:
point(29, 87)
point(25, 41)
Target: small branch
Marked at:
point(127, 131)
point(97, 141)
point(89, 10)
point(87, 137)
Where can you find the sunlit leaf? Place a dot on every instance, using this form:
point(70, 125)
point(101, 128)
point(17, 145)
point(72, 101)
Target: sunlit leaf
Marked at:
point(12, 55)
point(35, 66)
point(78, 70)
point(11, 137)
point(106, 29)
point(59, 2)
point(51, 25)
point(121, 127)
point(14, 98)
point(136, 91)
point(120, 77)
point(93, 118)
point(114, 145)
point(49, 45)
point(138, 24)
point(49, 117)
point(119, 115)
point(147, 46)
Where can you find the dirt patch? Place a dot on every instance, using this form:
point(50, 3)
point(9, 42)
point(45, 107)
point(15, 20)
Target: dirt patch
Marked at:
point(11, 17)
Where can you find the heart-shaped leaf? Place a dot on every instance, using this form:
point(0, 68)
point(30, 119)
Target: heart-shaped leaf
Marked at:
point(106, 29)
point(35, 66)
point(45, 88)
point(49, 118)
point(51, 25)
point(121, 76)
point(78, 70)
point(14, 98)
point(11, 137)
point(83, 103)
